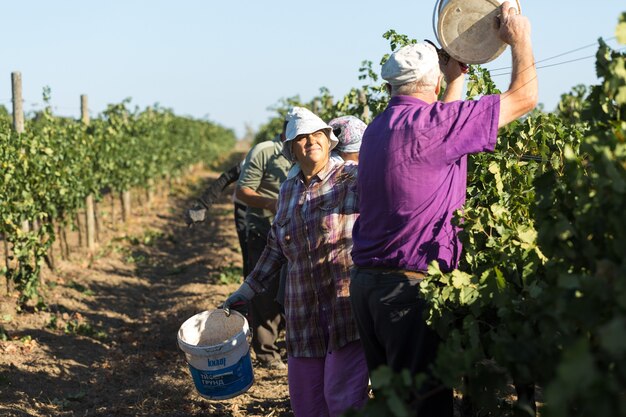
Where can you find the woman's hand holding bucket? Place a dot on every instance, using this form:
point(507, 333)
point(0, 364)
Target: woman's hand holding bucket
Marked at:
point(239, 299)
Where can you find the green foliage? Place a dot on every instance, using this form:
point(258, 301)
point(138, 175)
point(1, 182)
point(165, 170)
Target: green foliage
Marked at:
point(620, 31)
point(80, 288)
point(48, 171)
point(395, 394)
point(581, 228)
point(275, 125)
point(480, 82)
point(148, 238)
point(573, 104)
point(538, 298)
point(364, 102)
point(396, 41)
point(4, 335)
point(230, 275)
point(75, 324)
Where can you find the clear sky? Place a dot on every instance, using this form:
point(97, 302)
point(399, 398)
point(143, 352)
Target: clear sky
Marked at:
point(231, 60)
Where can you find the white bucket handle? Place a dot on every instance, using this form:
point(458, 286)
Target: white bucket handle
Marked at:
point(436, 12)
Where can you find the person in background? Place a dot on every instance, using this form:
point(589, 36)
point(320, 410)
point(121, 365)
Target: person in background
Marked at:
point(412, 179)
point(312, 231)
point(264, 170)
point(197, 213)
point(349, 130)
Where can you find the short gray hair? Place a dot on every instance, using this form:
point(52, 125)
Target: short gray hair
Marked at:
point(426, 83)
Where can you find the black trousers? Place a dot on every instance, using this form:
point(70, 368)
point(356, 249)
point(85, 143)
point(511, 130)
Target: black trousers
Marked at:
point(389, 313)
point(240, 226)
point(265, 313)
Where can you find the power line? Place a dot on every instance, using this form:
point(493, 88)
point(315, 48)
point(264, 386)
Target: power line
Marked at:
point(558, 63)
point(560, 55)
point(36, 105)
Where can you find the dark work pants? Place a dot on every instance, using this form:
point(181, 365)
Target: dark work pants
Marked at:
point(389, 313)
point(265, 313)
point(240, 226)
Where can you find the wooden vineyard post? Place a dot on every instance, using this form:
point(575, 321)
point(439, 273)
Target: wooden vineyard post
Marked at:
point(79, 228)
point(97, 216)
point(150, 192)
point(7, 262)
point(316, 106)
point(125, 197)
point(90, 213)
point(18, 115)
point(18, 107)
point(329, 103)
point(84, 109)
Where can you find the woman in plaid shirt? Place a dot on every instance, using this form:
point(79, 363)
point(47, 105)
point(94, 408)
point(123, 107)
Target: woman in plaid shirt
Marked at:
point(312, 233)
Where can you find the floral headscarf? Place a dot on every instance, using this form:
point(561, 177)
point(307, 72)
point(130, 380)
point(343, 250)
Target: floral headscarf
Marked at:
point(349, 130)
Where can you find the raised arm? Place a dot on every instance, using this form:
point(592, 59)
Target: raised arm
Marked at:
point(251, 177)
point(197, 213)
point(454, 74)
point(251, 198)
point(215, 189)
point(261, 277)
point(521, 97)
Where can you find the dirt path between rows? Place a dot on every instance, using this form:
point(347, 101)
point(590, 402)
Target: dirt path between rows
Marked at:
point(105, 344)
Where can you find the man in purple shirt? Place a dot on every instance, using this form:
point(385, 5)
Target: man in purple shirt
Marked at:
point(411, 180)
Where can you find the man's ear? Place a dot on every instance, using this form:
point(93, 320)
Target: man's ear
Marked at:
point(438, 87)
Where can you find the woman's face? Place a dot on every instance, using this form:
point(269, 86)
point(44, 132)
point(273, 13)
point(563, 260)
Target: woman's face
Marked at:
point(311, 148)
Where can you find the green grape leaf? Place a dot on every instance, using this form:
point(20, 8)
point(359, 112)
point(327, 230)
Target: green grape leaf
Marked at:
point(620, 32)
point(613, 337)
point(460, 279)
point(527, 234)
point(620, 98)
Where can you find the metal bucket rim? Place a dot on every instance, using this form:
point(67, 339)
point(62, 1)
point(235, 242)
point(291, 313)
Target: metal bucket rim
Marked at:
point(437, 26)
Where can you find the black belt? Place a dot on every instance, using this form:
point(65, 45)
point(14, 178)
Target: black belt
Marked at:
point(405, 272)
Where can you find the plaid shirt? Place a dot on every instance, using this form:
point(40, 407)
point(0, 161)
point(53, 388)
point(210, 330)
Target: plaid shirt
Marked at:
point(312, 232)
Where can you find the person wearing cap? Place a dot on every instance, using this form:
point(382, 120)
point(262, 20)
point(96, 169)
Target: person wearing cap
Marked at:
point(312, 230)
point(264, 170)
point(349, 130)
point(412, 179)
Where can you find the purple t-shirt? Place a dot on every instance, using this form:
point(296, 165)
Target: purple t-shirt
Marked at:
point(413, 177)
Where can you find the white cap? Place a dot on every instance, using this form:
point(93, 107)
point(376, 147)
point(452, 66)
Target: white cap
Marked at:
point(302, 121)
point(410, 63)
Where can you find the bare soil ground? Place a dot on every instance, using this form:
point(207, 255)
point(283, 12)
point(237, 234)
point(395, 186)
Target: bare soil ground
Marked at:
point(105, 343)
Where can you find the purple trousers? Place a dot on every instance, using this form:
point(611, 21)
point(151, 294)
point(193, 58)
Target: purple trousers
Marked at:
point(328, 386)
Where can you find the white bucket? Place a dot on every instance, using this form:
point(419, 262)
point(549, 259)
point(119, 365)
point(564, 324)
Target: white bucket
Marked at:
point(467, 29)
point(217, 351)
